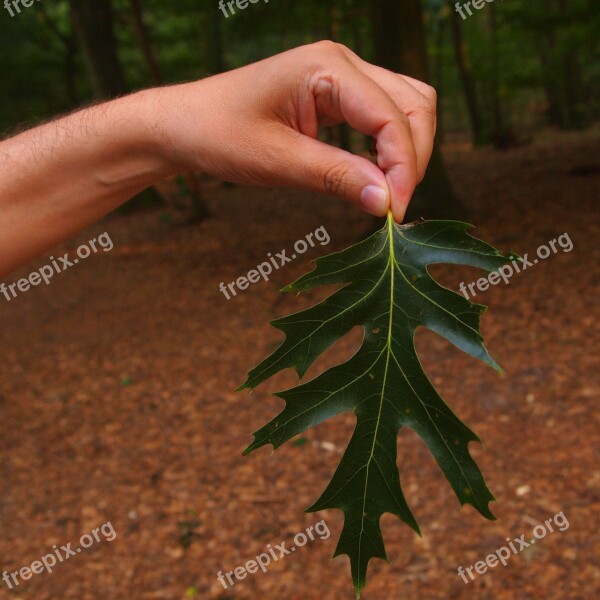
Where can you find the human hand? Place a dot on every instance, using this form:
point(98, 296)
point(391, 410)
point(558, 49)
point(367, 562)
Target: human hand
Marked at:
point(258, 125)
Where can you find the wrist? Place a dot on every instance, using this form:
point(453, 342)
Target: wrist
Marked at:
point(180, 125)
point(141, 140)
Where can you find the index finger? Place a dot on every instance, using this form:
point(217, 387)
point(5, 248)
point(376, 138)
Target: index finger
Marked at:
point(413, 97)
point(355, 98)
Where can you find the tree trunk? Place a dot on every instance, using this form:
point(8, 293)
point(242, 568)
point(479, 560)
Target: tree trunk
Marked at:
point(466, 78)
point(144, 41)
point(500, 134)
point(399, 43)
point(547, 50)
point(214, 38)
point(438, 75)
point(93, 24)
point(571, 77)
point(69, 44)
point(385, 33)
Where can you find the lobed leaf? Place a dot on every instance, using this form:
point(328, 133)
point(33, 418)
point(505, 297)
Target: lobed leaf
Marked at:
point(389, 292)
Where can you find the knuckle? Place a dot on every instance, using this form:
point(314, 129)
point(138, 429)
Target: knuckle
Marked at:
point(425, 107)
point(334, 179)
point(430, 94)
point(329, 46)
point(403, 119)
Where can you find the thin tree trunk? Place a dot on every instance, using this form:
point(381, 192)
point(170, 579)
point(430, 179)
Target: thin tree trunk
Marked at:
point(214, 39)
point(353, 15)
point(499, 132)
point(547, 48)
point(439, 77)
point(466, 77)
point(93, 24)
point(385, 33)
point(70, 52)
point(571, 76)
point(144, 41)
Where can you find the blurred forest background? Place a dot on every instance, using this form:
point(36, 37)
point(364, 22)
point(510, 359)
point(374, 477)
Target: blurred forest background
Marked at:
point(116, 381)
point(502, 74)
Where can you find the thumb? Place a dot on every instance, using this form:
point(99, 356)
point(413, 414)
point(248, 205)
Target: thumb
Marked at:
point(327, 169)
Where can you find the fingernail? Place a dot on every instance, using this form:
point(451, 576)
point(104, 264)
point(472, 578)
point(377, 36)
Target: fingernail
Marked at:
point(374, 200)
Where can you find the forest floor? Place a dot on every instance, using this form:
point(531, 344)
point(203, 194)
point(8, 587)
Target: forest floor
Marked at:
point(117, 404)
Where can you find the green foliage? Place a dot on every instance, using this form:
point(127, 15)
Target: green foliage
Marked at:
point(388, 291)
point(542, 52)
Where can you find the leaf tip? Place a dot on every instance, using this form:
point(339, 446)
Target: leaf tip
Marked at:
point(488, 514)
point(490, 361)
point(244, 386)
point(250, 448)
point(483, 508)
point(497, 367)
point(359, 585)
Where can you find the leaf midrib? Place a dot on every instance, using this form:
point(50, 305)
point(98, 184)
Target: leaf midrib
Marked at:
point(391, 261)
point(390, 265)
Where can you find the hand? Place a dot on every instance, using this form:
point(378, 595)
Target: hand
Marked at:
point(258, 125)
point(255, 125)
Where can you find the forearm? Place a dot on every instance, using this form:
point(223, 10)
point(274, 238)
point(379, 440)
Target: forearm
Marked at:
point(61, 177)
point(256, 125)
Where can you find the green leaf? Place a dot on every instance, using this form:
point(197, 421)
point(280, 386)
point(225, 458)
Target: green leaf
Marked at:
point(390, 293)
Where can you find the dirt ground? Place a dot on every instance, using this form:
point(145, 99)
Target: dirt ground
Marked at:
point(117, 404)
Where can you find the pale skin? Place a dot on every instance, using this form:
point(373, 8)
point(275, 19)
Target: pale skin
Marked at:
point(256, 125)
